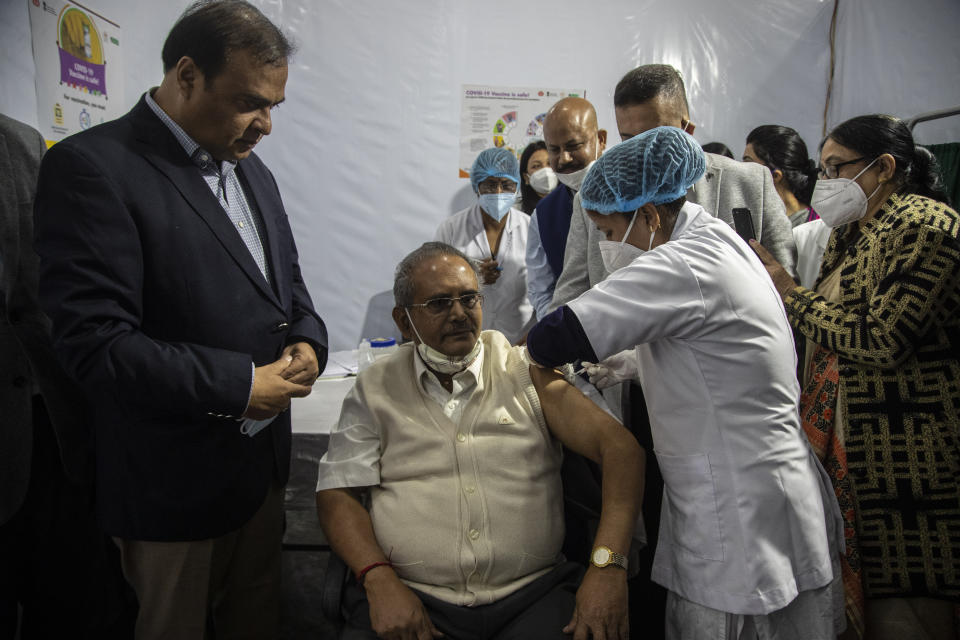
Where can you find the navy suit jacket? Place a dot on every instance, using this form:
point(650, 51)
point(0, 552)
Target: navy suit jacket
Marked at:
point(158, 310)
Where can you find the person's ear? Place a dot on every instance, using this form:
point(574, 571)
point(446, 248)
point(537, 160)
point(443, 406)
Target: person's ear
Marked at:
point(189, 76)
point(403, 323)
point(649, 217)
point(888, 167)
point(526, 178)
point(601, 140)
point(777, 176)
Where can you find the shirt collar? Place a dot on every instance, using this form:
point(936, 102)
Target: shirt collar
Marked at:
point(689, 212)
point(474, 371)
point(203, 159)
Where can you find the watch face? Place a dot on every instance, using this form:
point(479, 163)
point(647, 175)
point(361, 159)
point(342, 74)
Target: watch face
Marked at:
point(601, 556)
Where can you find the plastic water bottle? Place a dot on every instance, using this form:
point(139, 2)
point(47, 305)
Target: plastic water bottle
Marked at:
point(382, 347)
point(373, 349)
point(364, 355)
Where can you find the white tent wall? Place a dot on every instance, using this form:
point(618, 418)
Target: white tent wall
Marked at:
point(365, 148)
point(901, 58)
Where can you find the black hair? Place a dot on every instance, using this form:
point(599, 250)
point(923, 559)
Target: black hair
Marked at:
point(871, 136)
point(782, 148)
point(648, 81)
point(528, 195)
point(720, 149)
point(209, 30)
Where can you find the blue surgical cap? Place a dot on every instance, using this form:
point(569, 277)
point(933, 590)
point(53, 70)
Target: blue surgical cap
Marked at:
point(657, 166)
point(496, 162)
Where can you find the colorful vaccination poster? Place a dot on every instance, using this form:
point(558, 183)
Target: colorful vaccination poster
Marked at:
point(508, 117)
point(77, 53)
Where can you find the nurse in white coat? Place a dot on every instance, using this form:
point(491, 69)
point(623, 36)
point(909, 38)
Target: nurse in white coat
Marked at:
point(494, 234)
point(750, 529)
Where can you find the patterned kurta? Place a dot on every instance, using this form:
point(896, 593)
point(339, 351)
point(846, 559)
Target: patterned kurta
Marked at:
point(896, 333)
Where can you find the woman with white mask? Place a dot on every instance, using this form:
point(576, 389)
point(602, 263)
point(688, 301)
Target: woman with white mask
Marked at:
point(538, 179)
point(493, 233)
point(881, 393)
point(750, 533)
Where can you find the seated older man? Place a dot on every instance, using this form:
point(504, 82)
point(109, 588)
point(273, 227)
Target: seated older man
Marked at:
point(453, 444)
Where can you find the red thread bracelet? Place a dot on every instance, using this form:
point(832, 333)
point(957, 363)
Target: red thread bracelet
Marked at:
point(363, 572)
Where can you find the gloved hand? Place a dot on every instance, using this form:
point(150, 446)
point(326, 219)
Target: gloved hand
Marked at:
point(617, 368)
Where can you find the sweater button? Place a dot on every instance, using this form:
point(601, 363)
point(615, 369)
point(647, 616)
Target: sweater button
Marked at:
point(474, 534)
point(461, 437)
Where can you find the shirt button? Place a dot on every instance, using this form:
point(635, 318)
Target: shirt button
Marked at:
point(470, 489)
point(474, 534)
point(240, 224)
point(461, 437)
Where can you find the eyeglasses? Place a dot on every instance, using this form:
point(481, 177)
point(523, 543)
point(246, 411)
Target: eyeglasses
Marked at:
point(492, 185)
point(438, 306)
point(830, 171)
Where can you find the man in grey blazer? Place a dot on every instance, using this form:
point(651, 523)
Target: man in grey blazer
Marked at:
point(650, 96)
point(54, 562)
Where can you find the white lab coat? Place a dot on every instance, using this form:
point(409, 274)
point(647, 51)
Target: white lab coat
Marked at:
point(749, 518)
point(505, 305)
point(811, 239)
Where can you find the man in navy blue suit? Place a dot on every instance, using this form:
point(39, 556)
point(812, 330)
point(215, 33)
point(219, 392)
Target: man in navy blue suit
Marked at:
point(169, 271)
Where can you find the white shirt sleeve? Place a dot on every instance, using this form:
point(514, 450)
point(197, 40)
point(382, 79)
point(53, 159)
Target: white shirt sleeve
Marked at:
point(353, 456)
point(540, 280)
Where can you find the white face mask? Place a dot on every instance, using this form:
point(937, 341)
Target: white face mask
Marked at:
point(617, 255)
point(441, 362)
point(840, 200)
point(575, 179)
point(543, 180)
point(497, 205)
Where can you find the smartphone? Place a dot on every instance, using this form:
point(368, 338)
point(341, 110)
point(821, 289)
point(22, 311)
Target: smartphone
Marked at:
point(743, 222)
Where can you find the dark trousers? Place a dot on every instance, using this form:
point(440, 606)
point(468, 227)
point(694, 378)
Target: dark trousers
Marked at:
point(647, 599)
point(55, 563)
point(539, 610)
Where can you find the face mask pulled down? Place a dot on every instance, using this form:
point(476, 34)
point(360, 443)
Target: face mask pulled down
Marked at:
point(441, 362)
point(617, 255)
point(839, 201)
point(575, 179)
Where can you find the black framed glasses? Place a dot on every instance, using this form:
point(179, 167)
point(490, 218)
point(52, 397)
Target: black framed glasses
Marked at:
point(438, 306)
point(830, 171)
point(497, 185)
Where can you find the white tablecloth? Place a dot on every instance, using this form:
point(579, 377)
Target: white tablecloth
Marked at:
point(318, 412)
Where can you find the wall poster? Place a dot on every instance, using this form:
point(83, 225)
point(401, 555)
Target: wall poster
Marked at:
point(77, 53)
point(509, 117)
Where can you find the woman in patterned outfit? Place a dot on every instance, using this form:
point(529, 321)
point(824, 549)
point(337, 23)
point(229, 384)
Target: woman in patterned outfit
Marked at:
point(881, 389)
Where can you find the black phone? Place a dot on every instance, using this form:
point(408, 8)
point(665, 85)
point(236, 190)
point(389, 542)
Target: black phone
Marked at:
point(743, 221)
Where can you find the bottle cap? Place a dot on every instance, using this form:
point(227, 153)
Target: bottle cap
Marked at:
point(378, 343)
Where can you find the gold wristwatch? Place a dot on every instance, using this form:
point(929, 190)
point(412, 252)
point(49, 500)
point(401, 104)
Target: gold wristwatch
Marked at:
point(604, 556)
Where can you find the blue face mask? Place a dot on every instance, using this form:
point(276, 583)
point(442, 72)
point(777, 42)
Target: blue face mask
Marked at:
point(496, 205)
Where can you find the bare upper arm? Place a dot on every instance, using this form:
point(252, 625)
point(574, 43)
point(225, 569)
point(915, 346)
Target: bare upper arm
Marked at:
point(573, 418)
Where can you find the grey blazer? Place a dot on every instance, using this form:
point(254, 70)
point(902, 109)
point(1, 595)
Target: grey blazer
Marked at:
point(726, 185)
point(28, 363)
